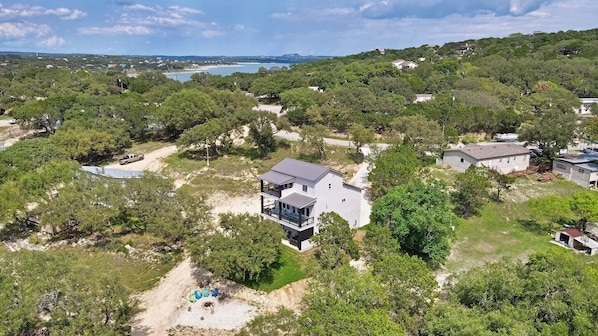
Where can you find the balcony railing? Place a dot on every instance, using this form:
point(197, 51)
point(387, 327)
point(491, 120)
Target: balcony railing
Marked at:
point(289, 217)
point(273, 192)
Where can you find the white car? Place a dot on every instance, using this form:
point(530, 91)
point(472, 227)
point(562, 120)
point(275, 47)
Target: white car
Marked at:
point(12, 121)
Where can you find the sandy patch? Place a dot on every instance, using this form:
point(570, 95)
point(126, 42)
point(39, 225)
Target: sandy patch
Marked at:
point(152, 161)
point(222, 203)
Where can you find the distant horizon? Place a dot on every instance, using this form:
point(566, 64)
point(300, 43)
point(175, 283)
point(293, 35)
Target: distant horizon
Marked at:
point(307, 27)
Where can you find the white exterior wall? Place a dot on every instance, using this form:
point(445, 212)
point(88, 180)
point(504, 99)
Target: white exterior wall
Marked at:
point(507, 164)
point(332, 195)
point(453, 160)
point(580, 176)
point(460, 162)
point(562, 168)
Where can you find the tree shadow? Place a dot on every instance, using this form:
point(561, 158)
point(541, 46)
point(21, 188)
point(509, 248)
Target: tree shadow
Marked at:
point(251, 153)
point(534, 226)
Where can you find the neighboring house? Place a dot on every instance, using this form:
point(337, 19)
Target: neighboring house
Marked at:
point(586, 105)
point(581, 169)
point(294, 194)
point(504, 158)
point(576, 240)
point(423, 97)
point(403, 64)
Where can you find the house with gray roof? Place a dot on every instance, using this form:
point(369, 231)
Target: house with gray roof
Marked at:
point(504, 158)
point(294, 193)
point(581, 169)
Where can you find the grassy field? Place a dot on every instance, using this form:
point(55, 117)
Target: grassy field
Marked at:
point(290, 268)
point(498, 233)
point(236, 173)
point(137, 275)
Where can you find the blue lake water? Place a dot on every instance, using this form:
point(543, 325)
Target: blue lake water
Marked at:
point(225, 70)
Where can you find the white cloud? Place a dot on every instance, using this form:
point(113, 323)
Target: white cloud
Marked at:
point(184, 10)
point(115, 30)
point(211, 33)
point(26, 11)
point(22, 29)
point(53, 41)
point(74, 15)
point(139, 7)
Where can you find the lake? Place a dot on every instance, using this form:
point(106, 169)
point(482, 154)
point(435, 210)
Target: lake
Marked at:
point(225, 70)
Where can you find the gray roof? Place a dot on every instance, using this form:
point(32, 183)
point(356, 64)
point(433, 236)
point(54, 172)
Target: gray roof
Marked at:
point(580, 158)
point(276, 178)
point(298, 200)
point(305, 170)
point(589, 166)
point(479, 152)
point(111, 172)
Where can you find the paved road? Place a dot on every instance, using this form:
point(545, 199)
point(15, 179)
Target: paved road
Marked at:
point(294, 136)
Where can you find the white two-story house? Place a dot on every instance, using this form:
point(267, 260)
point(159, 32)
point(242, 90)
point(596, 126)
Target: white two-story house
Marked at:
point(294, 194)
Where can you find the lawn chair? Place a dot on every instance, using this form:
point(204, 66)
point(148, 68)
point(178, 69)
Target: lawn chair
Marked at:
point(215, 292)
point(206, 292)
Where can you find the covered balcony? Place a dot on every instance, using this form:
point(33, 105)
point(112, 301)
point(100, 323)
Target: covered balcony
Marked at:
point(273, 183)
point(293, 210)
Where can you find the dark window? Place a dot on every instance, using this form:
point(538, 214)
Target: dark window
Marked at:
point(329, 185)
point(304, 188)
point(462, 160)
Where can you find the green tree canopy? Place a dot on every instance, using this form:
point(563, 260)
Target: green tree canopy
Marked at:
point(419, 217)
point(472, 190)
point(550, 294)
point(335, 241)
point(47, 293)
point(242, 248)
point(395, 166)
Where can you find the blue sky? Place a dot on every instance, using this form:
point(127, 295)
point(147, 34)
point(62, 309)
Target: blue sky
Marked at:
point(274, 27)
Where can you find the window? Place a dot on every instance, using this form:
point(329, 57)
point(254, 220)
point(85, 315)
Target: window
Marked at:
point(329, 185)
point(304, 188)
point(581, 171)
point(462, 160)
point(560, 166)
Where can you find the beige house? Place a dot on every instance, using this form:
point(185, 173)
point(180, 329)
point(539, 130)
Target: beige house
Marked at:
point(504, 158)
point(581, 169)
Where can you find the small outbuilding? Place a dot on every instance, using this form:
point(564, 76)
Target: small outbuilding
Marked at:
point(576, 240)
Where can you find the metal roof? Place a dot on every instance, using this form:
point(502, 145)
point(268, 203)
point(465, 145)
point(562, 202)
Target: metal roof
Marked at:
point(298, 200)
point(305, 170)
point(588, 242)
point(276, 178)
point(112, 172)
point(479, 152)
point(589, 166)
point(579, 158)
point(572, 232)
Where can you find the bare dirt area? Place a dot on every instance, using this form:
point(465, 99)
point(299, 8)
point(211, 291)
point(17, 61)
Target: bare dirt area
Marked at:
point(152, 161)
point(166, 308)
point(11, 133)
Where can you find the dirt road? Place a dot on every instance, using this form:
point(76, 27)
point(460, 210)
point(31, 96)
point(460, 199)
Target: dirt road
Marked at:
point(152, 161)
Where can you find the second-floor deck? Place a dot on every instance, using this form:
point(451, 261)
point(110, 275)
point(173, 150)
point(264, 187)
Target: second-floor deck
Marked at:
point(287, 218)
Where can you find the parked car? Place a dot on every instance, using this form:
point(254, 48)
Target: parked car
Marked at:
point(129, 158)
point(12, 121)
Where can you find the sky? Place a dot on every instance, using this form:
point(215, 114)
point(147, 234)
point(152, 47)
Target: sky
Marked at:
point(273, 27)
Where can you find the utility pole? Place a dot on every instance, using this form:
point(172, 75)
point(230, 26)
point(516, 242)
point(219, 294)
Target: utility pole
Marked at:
point(207, 153)
point(449, 111)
